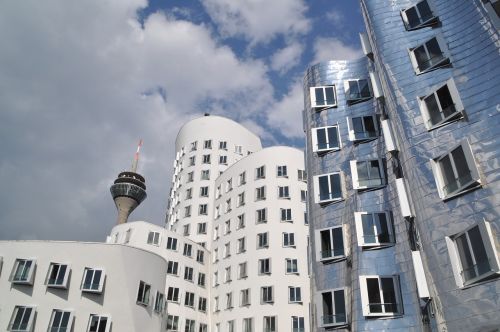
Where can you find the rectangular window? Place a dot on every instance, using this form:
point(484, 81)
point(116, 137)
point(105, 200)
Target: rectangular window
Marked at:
point(216, 278)
point(228, 205)
point(227, 250)
point(380, 295)
point(266, 294)
point(430, 55)
point(206, 159)
point(189, 299)
point(294, 295)
point(188, 248)
point(302, 175)
point(22, 319)
point(288, 240)
point(205, 174)
point(242, 270)
point(154, 238)
point(332, 308)
point(172, 323)
point(190, 177)
point(185, 229)
point(173, 294)
point(159, 302)
point(242, 178)
point(363, 128)
point(303, 196)
point(187, 212)
point(189, 193)
point(188, 273)
point(286, 215)
point(201, 279)
point(357, 90)
point(245, 297)
point(442, 106)
point(260, 172)
point(229, 300)
point(325, 139)
point(241, 221)
point(374, 229)
point(98, 323)
point(327, 188)
point(230, 326)
point(192, 160)
point(241, 245)
point(241, 199)
point(190, 324)
point(93, 280)
point(368, 174)
point(222, 145)
point(227, 276)
point(215, 255)
point(200, 256)
point(207, 144)
point(238, 149)
point(298, 324)
point(203, 191)
point(247, 324)
point(262, 240)
point(473, 254)
point(260, 193)
point(143, 293)
point(456, 171)
point(281, 171)
point(227, 227)
point(265, 266)
point(171, 243)
point(229, 185)
point(270, 324)
point(323, 96)
point(60, 321)
point(223, 160)
point(23, 272)
point(194, 146)
point(216, 304)
point(203, 328)
point(261, 216)
point(202, 304)
point(330, 244)
point(419, 16)
point(292, 266)
point(58, 275)
point(283, 192)
point(203, 209)
point(172, 267)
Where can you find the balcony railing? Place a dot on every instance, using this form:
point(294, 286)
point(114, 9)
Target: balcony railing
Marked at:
point(384, 308)
point(334, 319)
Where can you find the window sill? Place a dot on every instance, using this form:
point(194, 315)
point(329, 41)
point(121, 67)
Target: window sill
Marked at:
point(376, 246)
point(22, 282)
point(332, 259)
point(330, 201)
point(57, 286)
point(91, 291)
point(470, 187)
point(323, 107)
point(144, 304)
point(429, 23)
point(452, 118)
point(350, 102)
point(487, 277)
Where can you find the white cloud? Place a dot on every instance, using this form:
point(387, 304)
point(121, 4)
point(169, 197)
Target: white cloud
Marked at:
point(336, 18)
point(80, 85)
point(287, 58)
point(259, 20)
point(286, 114)
point(326, 49)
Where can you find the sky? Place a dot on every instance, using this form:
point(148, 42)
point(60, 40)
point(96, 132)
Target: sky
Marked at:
point(82, 81)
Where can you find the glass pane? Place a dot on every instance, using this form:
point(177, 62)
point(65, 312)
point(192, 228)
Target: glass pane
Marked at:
point(425, 11)
point(422, 58)
point(333, 141)
point(364, 88)
point(463, 172)
point(389, 295)
point(363, 174)
point(383, 228)
point(447, 105)
point(62, 273)
point(326, 244)
point(330, 96)
point(368, 228)
point(357, 124)
point(412, 16)
point(320, 99)
point(340, 316)
point(102, 324)
point(450, 183)
point(57, 319)
point(335, 186)
point(338, 242)
point(373, 295)
point(327, 308)
point(435, 53)
point(324, 189)
point(354, 92)
point(19, 316)
point(97, 279)
point(65, 319)
point(375, 173)
point(479, 251)
point(369, 126)
point(433, 109)
point(465, 256)
point(88, 279)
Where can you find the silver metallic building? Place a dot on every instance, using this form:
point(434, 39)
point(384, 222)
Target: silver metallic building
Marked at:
point(403, 162)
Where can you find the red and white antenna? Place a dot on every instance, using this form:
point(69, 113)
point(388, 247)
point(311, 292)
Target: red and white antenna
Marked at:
point(136, 157)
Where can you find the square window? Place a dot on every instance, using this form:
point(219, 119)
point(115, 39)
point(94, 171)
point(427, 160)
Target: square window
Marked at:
point(332, 311)
point(58, 275)
point(205, 174)
point(266, 294)
point(328, 188)
point(323, 96)
point(298, 324)
point(206, 159)
point(204, 191)
point(302, 175)
point(207, 144)
point(270, 324)
point(143, 293)
point(265, 266)
point(203, 327)
point(172, 267)
point(260, 193)
point(238, 149)
point(172, 243)
point(288, 240)
point(202, 304)
point(286, 215)
point(330, 244)
point(22, 319)
point(262, 240)
point(245, 297)
point(93, 280)
point(419, 16)
point(294, 295)
point(281, 171)
point(368, 174)
point(222, 145)
point(188, 248)
point(261, 215)
point(23, 271)
point(173, 294)
point(374, 229)
point(154, 238)
point(357, 90)
point(292, 266)
point(284, 192)
point(99, 323)
point(363, 128)
point(203, 209)
point(380, 295)
point(223, 160)
point(456, 171)
point(430, 55)
point(202, 228)
point(325, 139)
point(172, 323)
point(60, 321)
point(260, 172)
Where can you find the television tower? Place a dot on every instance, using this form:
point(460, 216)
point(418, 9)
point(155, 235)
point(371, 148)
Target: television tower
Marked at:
point(128, 190)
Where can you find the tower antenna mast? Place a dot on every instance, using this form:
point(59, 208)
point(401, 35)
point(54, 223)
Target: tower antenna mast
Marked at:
point(136, 157)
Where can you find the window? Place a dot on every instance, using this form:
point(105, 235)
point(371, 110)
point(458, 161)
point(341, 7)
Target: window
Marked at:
point(261, 216)
point(173, 294)
point(282, 171)
point(227, 226)
point(242, 178)
point(22, 319)
point(192, 160)
point(283, 192)
point(207, 144)
point(185, 229)
point(323, 96)
point(201, 279)
point(238, 149)
point(418, 16)
point(206, 159)
point(190, 177)
point(202, 304)
point(270, 324)
point(380, 295)
point(260, 172)
point(205, 174)
point(368, 174)
point(302, 175)
point(202, 228)
point(363, 128)
point(292, 266)
point(172, 267)
point(357, 90)
point(143, 293)
point(159, 302)
point(262, 240)
point(441, 106)
point(60, 321)
point(200, 256)
point(154, 238)
point(303, 195)
point(223, 160)
point(456, 171)
point(228, 205)
point(227, 250)
point(241, 221)
point(203, 327)
point(227, 276)
point(266, 294)
point(187, 212)
point(190, 324)
point(333, 309)
point(217, 212)
point(325, 139)
point(260, 193)
point(298, 324)
point(218, 192)
point(265, 266)
point(241, 199)
point(230, 326)
point(327, 188)
point(171, 243)
point(58, 275)
point(216, 304)
point(194, 146)
point(286, 215)
point(241, 245)
point(222, 145)
point(187, 249)
point(203, 191)
point(247, 324)
point(189, 299)
point(430, 55)
point(216, 278)
point(23, 272)
point(189, 193)
point(172, 323)
point(202, 210)
point(128, 233)
point(98, 323)
point(215, 255)
point(374, 229)
point(242, 270)
point(245, 297)
point(93, 280)
point(294, 295)
point(473, 254)
point(331, 244)
point(288, 240)
point(229, 300)
point(188, 273)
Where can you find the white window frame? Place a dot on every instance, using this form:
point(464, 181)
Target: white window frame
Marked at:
point(192, 160)
point(356, 182)
point(194, 145)
point(203, 209)
point(475, 179)
point(189, 325)
point(302, 175)
point(172, 323)
point(431, 21)
point(331, 320)
point(245, 299)
point(361, 237)
point(200, 256)
point(203, 327)
point(205, 174)
point(26, 273)
point(314, 102)
point(202, 304)
point(107, 319)
point(284, 192)
point(188, 273)
point(242, 178)
point(229, 300)
point(294, 294)
point(315, 144)
point(174, 295)
point(333, 257)
point(366, 305)
point(154, 238)
point(260, 193)
point(270, 324)
point(241, 221)
point(353, 136)
point(282, 171)
point(248, 324)
point(241, 245)
point(444, 61)
point(262, 240)
point(143, 293)
point(207, 144)
point(189, 299)
point(242, 270)
point(201, 228)
point(291, 266)
point(288, 240)
point(457, 104)
point(59, 327)
point(159, 302)
point(99, 285)
point(241, 199)
point(331, 199)
point(262, 266)
point(286, 215)
point(266, 294)
point(258, 216)
point(65, 275)
point(172, 243)
point(188, 250)
point(223, 145)
point(298, 324)
point(173, 267)
point(201, 279)
point(25, 325)
point(347, 89)
point(260, 172)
